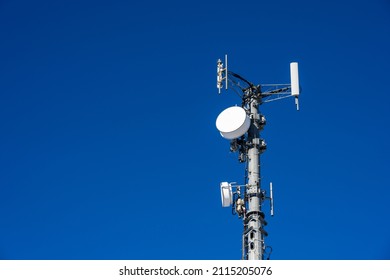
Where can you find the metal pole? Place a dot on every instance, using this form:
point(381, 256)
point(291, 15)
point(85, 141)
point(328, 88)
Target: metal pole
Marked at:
point(255, 238)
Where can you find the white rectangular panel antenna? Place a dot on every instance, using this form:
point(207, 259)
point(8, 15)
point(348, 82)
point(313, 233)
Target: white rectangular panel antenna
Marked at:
point(294, 78)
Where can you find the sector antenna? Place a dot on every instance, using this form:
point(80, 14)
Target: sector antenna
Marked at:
point(241, 125)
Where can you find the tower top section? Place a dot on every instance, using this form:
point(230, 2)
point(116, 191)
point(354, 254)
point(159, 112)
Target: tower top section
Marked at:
point(267, 92)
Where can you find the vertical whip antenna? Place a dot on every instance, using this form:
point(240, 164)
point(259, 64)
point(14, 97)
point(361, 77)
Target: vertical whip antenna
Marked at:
point(271, 197)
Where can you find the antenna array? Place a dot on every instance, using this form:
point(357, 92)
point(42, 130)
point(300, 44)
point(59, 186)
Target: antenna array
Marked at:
point(242, 126)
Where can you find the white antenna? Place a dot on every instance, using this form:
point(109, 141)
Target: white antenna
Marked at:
point(294, 81)
point(222, 74)
point(242, 126)
point(226, 194)
point(294, 78)
point(233, 122)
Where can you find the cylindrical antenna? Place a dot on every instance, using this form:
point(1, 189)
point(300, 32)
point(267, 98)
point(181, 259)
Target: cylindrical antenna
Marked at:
point(219, 75)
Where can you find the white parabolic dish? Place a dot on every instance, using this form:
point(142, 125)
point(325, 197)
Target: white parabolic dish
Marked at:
point(233, 122)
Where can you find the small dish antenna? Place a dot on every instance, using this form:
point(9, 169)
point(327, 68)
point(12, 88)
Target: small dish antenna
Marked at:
point(233, 122)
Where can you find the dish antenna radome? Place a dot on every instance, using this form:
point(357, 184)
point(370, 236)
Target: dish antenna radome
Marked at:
point(233, 122)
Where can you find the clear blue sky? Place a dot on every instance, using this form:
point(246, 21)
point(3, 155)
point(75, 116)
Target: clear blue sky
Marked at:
point(108, 145)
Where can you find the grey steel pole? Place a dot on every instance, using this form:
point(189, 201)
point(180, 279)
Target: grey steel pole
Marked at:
point(255, 237)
